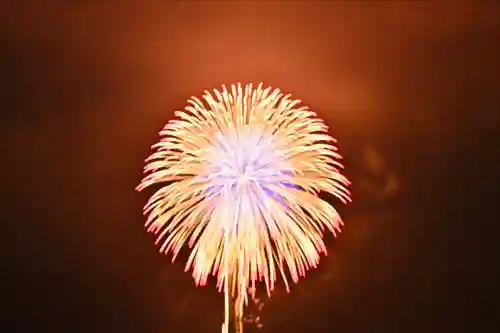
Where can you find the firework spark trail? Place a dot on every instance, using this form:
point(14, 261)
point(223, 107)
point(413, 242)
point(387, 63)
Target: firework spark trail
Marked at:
point(240, 174)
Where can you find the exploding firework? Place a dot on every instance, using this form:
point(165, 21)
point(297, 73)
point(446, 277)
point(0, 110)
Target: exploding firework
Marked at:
point(240, 172)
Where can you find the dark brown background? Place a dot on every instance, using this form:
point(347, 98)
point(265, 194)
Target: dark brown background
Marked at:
point(410, 89)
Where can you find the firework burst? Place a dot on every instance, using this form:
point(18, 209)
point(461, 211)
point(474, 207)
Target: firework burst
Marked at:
point(240, 172)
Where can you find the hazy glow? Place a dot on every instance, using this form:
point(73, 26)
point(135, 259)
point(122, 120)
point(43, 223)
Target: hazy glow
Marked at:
point(240, 173)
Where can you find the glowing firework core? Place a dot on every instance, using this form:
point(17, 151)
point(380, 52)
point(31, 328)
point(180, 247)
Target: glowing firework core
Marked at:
point(249, 156)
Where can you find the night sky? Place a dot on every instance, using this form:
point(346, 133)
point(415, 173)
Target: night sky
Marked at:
point(410, 90)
